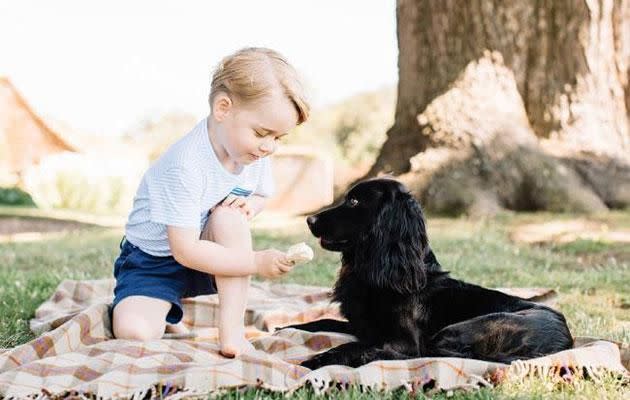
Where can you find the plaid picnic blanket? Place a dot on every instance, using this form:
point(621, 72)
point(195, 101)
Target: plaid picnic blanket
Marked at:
point(76, 354)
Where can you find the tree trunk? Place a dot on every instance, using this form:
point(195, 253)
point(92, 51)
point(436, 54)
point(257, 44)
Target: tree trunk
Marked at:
point(567, 61)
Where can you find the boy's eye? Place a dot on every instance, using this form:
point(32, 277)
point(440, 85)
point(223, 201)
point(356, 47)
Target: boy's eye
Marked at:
point(259, 134)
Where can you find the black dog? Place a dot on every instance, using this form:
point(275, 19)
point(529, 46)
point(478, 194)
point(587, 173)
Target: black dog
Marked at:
point(400, 304)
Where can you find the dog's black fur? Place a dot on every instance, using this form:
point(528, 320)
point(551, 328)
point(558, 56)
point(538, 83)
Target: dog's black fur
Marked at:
point(400, 304)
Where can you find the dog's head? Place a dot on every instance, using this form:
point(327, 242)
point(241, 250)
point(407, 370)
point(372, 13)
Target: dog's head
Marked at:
point(380, 229)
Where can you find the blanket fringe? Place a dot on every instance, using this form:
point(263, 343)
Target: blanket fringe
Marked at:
point(155, 391)
point(417, 385)
point(167, 391)
point(63, 395)
point(519, 370)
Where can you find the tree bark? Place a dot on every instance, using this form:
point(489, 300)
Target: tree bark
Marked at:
point(568, 60)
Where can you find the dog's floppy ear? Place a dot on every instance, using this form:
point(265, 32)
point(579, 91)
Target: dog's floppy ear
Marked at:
point(390, 255)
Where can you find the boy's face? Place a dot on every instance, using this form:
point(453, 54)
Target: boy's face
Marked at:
point(253, 131)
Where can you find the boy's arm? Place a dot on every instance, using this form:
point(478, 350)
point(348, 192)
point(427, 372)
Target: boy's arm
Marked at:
point(207, 256)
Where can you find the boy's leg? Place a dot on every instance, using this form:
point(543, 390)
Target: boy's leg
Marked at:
point(140, 318)
point(232, 304)
point(229, 227)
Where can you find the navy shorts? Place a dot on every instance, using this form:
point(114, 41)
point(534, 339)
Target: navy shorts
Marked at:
point(140, 274)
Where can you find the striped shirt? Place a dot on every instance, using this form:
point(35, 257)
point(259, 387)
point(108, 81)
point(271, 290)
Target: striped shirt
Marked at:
point(182, 186)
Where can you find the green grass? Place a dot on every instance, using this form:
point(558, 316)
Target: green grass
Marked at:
point(591, 277)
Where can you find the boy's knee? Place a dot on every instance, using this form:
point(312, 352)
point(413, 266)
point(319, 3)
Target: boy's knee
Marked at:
point(227, 215)
point(137, 328)
point(225, 218)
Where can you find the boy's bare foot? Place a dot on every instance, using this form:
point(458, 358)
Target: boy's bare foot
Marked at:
point(231, 349)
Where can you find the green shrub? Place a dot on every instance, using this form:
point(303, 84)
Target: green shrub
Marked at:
point(15, 197)
point(155, 135)
point(353, 130)
point(84, 182)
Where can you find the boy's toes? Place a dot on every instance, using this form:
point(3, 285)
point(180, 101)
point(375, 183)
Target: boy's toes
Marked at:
point(230, 350)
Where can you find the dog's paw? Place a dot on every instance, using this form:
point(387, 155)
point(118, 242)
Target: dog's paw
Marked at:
point(281, 328)
point(312, 364)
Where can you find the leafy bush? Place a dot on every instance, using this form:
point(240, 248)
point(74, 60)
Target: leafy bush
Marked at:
point(85, 182)
point(353, 130)
point(155, 135)
point(15, 197)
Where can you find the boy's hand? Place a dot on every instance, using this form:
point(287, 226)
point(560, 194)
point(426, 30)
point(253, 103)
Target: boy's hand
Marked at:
point(240, 203)
point(272, 263)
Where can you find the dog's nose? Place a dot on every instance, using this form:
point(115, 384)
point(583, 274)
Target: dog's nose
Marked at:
point(311, 220)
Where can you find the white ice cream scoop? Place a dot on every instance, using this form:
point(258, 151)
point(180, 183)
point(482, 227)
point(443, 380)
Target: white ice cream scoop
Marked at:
point(300, 253)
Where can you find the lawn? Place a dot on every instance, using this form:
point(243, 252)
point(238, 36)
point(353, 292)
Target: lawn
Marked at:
point(591, 276)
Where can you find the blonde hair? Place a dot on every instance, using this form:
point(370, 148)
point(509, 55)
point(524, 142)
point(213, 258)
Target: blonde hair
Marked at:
point(253, 72)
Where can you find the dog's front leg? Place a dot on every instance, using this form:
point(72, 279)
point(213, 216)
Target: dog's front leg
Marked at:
point(340, 355)
point(353, 354)
point(323, 325)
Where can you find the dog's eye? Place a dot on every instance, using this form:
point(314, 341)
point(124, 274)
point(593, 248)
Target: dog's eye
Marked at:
point(353, 202)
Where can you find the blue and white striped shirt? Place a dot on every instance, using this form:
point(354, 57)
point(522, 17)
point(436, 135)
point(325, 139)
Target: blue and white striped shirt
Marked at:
point(183, 185)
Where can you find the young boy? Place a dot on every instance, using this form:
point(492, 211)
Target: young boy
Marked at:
point(214, 179)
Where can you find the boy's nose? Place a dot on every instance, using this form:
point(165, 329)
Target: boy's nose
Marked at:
point(268, 146)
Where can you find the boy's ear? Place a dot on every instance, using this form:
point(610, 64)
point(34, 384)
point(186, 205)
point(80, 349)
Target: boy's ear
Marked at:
point(221, 106)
